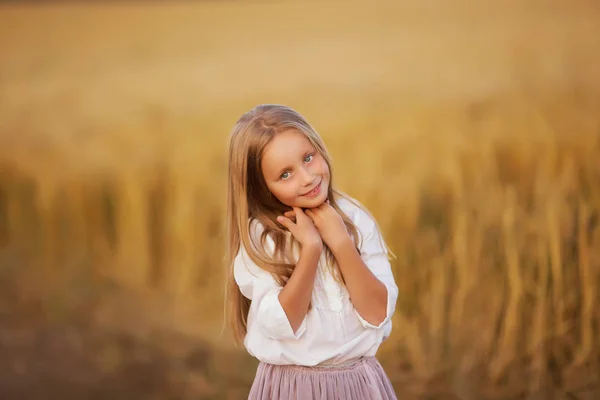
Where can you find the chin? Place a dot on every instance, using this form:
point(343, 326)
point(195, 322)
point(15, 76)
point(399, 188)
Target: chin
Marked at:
point(312, 203)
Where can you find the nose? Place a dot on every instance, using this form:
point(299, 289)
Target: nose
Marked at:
point(307, 177)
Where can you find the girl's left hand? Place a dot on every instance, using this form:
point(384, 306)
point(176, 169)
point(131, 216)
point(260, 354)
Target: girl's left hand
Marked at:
point(329, 224)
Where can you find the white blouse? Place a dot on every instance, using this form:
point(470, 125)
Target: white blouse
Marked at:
point(332, 331)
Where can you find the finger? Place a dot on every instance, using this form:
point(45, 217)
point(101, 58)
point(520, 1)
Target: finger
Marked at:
point(290, 214)
point(310, 214)
point(286, 222)
point(298, 212)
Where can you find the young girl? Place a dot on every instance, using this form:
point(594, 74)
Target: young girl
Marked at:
point(310, 289)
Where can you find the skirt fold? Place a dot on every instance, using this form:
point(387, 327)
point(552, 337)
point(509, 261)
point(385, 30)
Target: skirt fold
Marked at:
point(365, 380)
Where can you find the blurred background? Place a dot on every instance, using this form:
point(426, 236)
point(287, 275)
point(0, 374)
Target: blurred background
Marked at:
point(470, 129)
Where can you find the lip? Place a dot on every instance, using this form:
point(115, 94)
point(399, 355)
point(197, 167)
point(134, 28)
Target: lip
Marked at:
point(315, 191)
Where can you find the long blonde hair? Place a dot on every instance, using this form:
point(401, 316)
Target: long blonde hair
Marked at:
point(249, 199)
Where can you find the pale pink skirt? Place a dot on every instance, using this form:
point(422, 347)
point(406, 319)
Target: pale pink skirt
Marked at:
point(364, 379)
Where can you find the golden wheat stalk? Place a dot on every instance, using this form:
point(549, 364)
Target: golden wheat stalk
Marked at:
point(437, 319)
point(132, 265)
point(465, 278)
point(180, 238)
point(538, 337)
point(588, 288)
point(506, 351)
point(556, 271)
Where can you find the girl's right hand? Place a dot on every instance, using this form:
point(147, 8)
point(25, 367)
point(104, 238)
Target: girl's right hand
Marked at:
point(303, 229)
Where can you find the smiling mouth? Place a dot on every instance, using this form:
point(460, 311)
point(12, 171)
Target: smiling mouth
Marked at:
point(314, 191)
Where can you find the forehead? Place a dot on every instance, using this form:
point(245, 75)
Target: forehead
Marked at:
point(284, 149)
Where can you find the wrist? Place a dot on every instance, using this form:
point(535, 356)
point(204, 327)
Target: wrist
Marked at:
point(313, 247)
point(342, 244)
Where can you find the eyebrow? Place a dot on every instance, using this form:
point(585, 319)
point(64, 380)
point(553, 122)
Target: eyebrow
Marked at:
point(282, 170)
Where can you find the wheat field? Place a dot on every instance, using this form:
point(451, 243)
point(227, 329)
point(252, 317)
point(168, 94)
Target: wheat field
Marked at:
point(470, 130)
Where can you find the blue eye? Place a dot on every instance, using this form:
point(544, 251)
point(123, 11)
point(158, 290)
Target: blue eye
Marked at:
point(308, 158)
point(285, 175)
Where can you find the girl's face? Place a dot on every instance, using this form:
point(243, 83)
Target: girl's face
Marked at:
point(295, 173)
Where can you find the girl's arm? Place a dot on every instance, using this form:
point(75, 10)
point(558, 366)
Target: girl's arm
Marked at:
point(368, 274)
point(369, 295)
point(279, 312)
point(296, 295)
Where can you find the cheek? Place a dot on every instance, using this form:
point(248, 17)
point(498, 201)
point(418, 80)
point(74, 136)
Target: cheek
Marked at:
point(324, 169)
point(283, 193)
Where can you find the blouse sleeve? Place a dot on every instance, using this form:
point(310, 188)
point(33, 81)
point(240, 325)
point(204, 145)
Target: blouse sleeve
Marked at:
point(374, 253)
point(266, 313)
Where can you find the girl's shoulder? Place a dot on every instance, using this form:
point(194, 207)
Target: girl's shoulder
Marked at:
point(358, 213)
point(371, 239)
